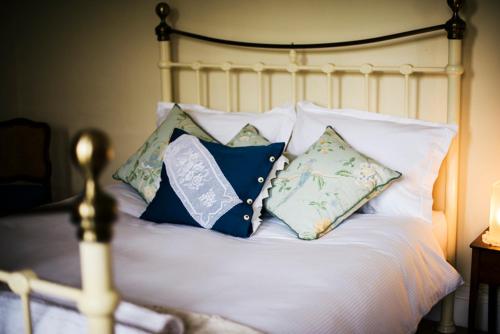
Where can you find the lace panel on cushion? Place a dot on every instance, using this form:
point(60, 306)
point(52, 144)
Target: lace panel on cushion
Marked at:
point(197, 180)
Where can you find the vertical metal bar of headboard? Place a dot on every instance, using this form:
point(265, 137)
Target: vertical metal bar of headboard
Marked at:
point(261, 92)
point(165, 71)
point(406, 95)
point(258, 68)
point(455, 27)
point(163, 36)
point(337, 95)
point(198, 87)
point(293, 68)
point(454, 71)
point(366, 69)
point(406, 71)
point(329, 87)
point(196, 67)
point(226, 67)
point(367, 91)
point(328, 69)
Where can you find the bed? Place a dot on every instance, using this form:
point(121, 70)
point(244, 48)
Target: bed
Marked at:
point(266, 282)
point(358, 279)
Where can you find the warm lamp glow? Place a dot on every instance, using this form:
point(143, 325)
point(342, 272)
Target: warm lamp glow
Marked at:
point(492, 236)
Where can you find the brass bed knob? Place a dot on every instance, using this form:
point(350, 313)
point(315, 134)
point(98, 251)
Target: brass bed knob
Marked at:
point(94, 210)
point(163, 30)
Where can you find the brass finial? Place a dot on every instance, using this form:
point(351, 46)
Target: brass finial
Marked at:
point(163, 29)
point(94, 210)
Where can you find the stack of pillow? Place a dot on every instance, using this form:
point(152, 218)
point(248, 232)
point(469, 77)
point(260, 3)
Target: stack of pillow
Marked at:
point(217, 170)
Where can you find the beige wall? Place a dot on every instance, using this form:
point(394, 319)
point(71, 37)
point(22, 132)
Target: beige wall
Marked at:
point(81, 64)
point(480, 161)
point(78, 64)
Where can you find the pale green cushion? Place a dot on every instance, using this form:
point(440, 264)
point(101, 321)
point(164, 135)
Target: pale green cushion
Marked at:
point(142, 170)
point(248, 136)
point(325, 185)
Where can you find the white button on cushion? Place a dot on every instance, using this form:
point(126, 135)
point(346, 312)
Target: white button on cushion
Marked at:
point(260, 179)
point(249, 201)
point(272, 158)
point(246, 217)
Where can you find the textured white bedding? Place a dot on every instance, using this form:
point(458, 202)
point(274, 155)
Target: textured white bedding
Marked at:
point(373, 274)
point(130, 202)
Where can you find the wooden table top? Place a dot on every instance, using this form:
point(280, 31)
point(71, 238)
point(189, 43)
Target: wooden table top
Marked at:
point(479, 244)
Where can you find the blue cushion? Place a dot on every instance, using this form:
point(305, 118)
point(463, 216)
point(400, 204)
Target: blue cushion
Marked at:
point(244, 168)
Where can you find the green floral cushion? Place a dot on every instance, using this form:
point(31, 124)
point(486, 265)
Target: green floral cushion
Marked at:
point(142, 170)
point(248, 136)
point(325, 185)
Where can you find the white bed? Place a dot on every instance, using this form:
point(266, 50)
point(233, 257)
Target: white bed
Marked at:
point(375, 274)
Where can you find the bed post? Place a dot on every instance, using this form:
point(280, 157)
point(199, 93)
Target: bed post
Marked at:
point(455, 28)
point(93, 214)
point(163, 31)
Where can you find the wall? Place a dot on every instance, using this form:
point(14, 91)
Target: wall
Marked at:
point(480, 147)
point(83, 64)
point(8, 63)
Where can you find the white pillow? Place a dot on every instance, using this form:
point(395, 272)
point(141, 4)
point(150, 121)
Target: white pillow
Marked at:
point(275, 125)
point(413, 147)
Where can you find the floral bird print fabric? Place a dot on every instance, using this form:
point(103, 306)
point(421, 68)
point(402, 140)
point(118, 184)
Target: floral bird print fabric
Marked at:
point(325, 185)
point(142, 170)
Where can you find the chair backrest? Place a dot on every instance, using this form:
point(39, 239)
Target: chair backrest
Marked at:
point(24, 151)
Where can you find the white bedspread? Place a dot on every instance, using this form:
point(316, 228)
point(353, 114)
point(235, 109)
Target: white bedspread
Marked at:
point(373, 274)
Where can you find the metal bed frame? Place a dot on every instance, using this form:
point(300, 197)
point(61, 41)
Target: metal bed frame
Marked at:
point(94, 211)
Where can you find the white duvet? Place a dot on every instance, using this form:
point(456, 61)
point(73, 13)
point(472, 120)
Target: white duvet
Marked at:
point(373, 274)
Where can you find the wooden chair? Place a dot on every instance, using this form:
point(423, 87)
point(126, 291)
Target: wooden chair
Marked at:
point(25, 167)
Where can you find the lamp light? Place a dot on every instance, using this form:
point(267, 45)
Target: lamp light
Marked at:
point(492, 236)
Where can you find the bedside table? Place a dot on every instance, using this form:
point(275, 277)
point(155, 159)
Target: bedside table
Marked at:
point(485, 269)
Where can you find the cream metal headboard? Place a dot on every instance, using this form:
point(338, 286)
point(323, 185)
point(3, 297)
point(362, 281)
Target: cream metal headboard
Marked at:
point(453, 71)
point(454, 27)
